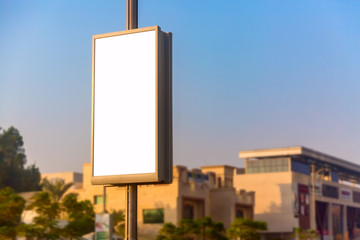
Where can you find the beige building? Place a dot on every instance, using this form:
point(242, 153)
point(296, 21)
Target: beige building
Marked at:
point(294, 187)
point(208, 191)
point(73, 177)
point(299, 187)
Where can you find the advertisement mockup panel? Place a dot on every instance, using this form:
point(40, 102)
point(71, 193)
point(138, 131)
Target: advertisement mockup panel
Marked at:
point(103, 226)
point(132, 107)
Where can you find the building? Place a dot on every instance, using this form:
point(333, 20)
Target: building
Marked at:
point(299, 187)
point(73, 177)
point(196, 193)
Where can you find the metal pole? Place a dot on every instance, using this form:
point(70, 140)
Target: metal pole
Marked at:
point(131, 212)
point(132, 14)
point(131, 189)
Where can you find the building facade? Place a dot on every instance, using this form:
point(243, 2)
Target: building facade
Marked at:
point(299, 187)
point(196, 193)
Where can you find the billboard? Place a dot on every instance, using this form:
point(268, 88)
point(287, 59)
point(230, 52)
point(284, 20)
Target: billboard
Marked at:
point(103, 226)
point(131, 140)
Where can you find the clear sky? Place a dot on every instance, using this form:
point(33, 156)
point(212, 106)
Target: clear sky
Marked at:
point(246, 75)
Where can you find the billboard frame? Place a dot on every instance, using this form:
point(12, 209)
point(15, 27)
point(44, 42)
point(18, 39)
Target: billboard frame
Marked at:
point(163, 113)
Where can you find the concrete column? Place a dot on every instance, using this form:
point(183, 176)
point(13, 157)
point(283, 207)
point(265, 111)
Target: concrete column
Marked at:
point(313, 213)
point(313, 201)
point(330, 222)
point(345, 230)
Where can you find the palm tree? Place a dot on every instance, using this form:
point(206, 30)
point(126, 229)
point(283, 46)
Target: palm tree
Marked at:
point(56, 188)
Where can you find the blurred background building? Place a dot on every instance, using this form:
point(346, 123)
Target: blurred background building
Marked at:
point(289, 182)
point(195, 193)
point(288, 188)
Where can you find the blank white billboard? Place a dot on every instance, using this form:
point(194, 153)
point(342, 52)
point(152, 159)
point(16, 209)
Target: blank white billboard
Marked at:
point(125, 114)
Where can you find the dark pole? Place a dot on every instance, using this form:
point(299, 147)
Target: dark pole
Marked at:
point(131, 189)
point(131, 212)
point(132, 14)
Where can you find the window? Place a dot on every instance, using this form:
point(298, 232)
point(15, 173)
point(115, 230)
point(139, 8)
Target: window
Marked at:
point(300, 167)
point(188, 211)
point(193, 208)
point(198, 177)
point(243, 211)
point(239, 213)
point(267, 165)
point(153, 215)
point(219, 182)
point(99, 199)
point(228, 182)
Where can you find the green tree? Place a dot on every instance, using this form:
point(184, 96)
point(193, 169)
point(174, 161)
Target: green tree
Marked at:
point(170, 232)
point(246, 229)
point(11, 208)
point(188, 229)
point(206, 229)
point(56, 189)
point(119, 222)
point(45, 224)
point(81, 217)
point(29, 231)
point(308, 234)
point(12, 161)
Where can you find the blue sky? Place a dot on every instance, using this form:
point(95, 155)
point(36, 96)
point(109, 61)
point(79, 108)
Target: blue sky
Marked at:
point(246, 75)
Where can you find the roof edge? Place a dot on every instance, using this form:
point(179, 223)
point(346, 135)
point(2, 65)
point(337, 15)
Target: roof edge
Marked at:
point(272, 152)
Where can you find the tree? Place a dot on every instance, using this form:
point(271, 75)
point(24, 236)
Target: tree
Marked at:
point(307, 234)
point(12, 161)
point(45, 224)
point(56, 189)
point(188, 229)
point(119, 222)
point(11, 208)
point(170, 232)
point(246, 229)
point(81, 217)
point(207, 229)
